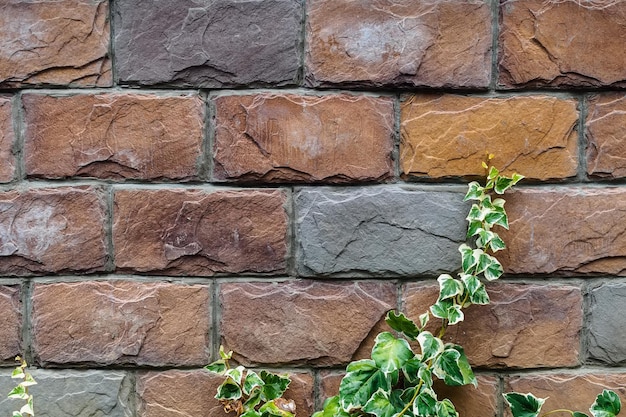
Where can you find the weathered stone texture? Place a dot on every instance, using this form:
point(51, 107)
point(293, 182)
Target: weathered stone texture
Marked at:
point(565, 230)
point(607, 324)
point(63, 42)
point(11, 324)
point(299, 322)
point(71, 393)
point(7, 138)
point(573, 391)
point(121, 322)
point(116, 136)
point(606, 135)
point(562, 43)
point(447, 135)
point(194, 232)
point(506, 333)
point(206, 43)
point(52, 230)
point(291, 138)
point(378, 231)
point(406, 43)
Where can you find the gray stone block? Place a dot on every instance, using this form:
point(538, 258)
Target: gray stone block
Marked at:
point(379, 231)
point(208, 43)
point(607, 324)
point(71, 393)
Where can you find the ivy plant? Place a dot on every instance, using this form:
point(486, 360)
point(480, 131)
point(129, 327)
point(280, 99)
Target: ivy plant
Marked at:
point(607, 404)
point(20, 392)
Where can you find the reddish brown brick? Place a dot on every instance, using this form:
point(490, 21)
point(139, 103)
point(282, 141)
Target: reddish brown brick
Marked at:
point(565, 230)
point(121, 322)
point(568, 42)
point(447, 135)
point(419, 43)
point(143, 136)
point(606, 135)
point(298, 322)
point(10, 310)
point(194, 232)
point(64, 42)
point(7, 138)
point(52, 230)
point(505, 333)
point(332, 138)
point(571, 391)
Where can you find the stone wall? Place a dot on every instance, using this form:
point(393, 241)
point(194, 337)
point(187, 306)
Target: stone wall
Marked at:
point(275, 175)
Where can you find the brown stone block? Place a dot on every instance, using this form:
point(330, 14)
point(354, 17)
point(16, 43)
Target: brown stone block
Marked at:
point(137, 136)
point(45, 230)
point(505, 333)
point(606, 135)
point(571, 391)
point(449, 135)
point(7, 138)
point(121, 322)
point(406, 43)
point(290, 138)
point(63, 42)
point(298, 322)
point(556, 43)
point(10, 311)
point(566, 231)
point(194, 232)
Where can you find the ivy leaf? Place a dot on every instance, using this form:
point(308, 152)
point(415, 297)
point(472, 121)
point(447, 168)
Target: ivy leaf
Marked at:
point(251, 413)
point(474, 227)
point(475, 214)
point(445, 408)
point(448, 310)
point(16, 414)
point(497, 217)
point(453, 367)
point(19, 392)
point(468, 259)
point(252, 381)
point(224, 355)
point(476, 289)
point(273, 385)
point(494, 270)
point(331, 409)
point(474, 191)
point(425, 403)
point(579, 414)
point(380, 405)
point(524, 405)
point(276, 408)
point(362, 380)
point(411, 370)
point(236, 374)
point(402, 324)
point(18, 373)
point(431, 346)
point(228, 390)
point(607, 404)
point(28, 407)
point(423, 318)
point(253, 400)
point(390, 353)
point(449, 287)
point(496, 244)
point(218, 367)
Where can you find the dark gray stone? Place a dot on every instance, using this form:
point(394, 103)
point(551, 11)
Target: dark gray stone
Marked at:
point(379, 231)
point(72, 393)
point(208, 43)
point(607, 324)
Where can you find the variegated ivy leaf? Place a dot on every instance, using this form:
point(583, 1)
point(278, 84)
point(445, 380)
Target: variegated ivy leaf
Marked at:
point(579, 414)
point(380, 405)
point(493, 270)
point(390, 353)
point(251, 413)
point(503, 183)
point(19, 392)
point(423, 319)
point(273, 385)
point(18, 373)
point(28, 407)
point(425, 403)
point(497, 216)
point(218, 367)
point(331, 408)
point(228, 390)
point(453, 367)
point(412, 370)
point(524, 405)
point(430, 345)
point(445, 408)
point(475, 214)
point(474, 191)
point(468, 259)
point(224, 355)
point(449, 287)
point(236, 374)
point(607, 404)
point(447, 310)
point(476, 289)
point(278, 408)
point(252, 381)
point(402, 324)
point(362, 380)
point(474, 227)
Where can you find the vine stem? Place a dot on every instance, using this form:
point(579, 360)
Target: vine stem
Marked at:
point(560, 410)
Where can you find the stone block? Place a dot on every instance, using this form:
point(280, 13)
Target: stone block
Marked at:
point(607, 325)
point(11, 324)
point(606, 135)
point(7, 139)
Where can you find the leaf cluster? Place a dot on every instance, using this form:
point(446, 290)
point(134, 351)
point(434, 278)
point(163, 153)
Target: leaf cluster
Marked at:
point(251, 394)
point(20, 392)
point(606, 404)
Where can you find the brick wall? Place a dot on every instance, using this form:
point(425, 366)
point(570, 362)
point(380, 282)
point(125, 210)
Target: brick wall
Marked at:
point(275, 175)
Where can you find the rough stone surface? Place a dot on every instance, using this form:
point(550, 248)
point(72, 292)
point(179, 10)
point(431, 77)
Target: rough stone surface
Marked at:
point(11, 324)
point(607, 327)
point(562, 43)
point(506, 333)
point(193, 232)
point(406, 43)
point(190, 393)
point(63, 42)
point(52, 230)
point(290, 138)
point(299, 322)
point(378, 231)
point(121, 322)
point(606, 135)
point(565, 230)
point(7, 138)
point(73, 393)
point(573, 391)
point(448, 135)
point(208, 43)
point(115, 136)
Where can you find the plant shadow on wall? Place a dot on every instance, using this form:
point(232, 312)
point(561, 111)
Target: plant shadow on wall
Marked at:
point(395, 381)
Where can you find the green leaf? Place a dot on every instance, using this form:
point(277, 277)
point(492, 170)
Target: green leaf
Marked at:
point(425, 403)
point(475, 214)
point(380, 405)
point(331, 408)
point(273, 385)
point(502, 184)
point(453, 367)
point(445, 408)
point(474, 191)
point(411, 370)
point(18, 373)
point(236, 374)
point(253, 400)
point(28, 407)
point(494, 270)
point(449, 310)
point(390, 353)
point(402, 324)
point(224, 355)
point(449, 287)
point(28, 380)
point(474, 227)
point(218, 367)
point(493, 173)
point(524, 405)
point(431, 346)
point(423, 318)
point(18, 392)
point(252, 381)
point(16, 414)
point(579, 414)
point(468, 259)
point(251, 413)
point(271, 408)
point(362, 380)
point(228, 390)
point(497, 218)
point(496, 244)
point(476, 289)
point(607, 404)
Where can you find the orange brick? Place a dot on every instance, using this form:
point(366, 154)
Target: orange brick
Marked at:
point(606, 134)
